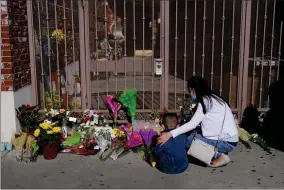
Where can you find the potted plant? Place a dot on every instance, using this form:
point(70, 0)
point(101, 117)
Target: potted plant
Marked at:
point(48, 135)
point(29, 118)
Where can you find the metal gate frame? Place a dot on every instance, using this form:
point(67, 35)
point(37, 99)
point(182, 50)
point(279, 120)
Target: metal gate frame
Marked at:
point(84, 31)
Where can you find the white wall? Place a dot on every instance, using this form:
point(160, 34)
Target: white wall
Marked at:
point(9, 101)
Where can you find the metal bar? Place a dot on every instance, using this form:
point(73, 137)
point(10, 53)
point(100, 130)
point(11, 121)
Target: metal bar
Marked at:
point(176, 41)
point(185, 54)
point(115, 45)
point(271, 49)
point(213, 44)
point(32, 52)
point(203, 37)
point(222, 49)
point(125, 55)
point(87, 54)
point(194, 39)
point(65, 48)
point(41, 56)
point(241, 52)
point(246, 37)
point(153, 52)
point(232, 50)
point(134, 42)
point(166, 54)
point(143, 48)
point(263, 54)
point(97, 48)
point(106, 46)
point(162, 52)
point(73, 49)
point(57, 52)
point(49, 53)
point(82, 54)
point(254, 54)
point(279, 50)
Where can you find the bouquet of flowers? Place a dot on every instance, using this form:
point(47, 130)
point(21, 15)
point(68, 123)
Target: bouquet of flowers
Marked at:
point(113, 106)
point(26, 147)
point(57, 34)
point(103, 137)
point(148, 135)
point(129, 100)
point(29, 117)
point(48, 133)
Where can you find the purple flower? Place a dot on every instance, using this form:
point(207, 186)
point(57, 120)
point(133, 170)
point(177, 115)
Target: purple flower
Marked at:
point(147, 136)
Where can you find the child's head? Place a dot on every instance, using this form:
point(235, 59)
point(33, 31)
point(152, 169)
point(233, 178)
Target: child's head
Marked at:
point(170, 121)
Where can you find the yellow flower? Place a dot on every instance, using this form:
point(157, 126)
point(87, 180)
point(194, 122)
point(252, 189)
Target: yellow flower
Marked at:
point(45, 125)
point(115, 131)
point(121, 133)
point(49, 132)
point(56, 129)
point(36, 132)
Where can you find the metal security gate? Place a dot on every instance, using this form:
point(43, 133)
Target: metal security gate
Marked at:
point(86, 49)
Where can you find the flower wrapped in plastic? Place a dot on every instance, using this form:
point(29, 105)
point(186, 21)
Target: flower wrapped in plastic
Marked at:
point(104, 136)
point(129, 100)
point(116, 149)
point(72, 140)
point(18, 142)
point(134, 140)
point(148, 135)
point(113, 105)
point(85, 148)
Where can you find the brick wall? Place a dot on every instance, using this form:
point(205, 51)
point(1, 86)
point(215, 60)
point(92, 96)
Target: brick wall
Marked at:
point(15, 61)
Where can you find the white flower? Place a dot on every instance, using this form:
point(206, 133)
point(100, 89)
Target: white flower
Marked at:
point(47, 121)
point(96, 115)
point(86, 112)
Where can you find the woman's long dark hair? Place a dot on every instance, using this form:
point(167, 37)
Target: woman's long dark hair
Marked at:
point(202, 90)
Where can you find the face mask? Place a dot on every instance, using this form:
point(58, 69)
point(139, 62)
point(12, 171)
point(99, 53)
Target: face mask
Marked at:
point(193, 97)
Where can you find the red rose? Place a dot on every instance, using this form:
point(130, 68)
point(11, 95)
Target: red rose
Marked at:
point(18, 116)
point(28, 106)
point(162, 114)
point(100, 114)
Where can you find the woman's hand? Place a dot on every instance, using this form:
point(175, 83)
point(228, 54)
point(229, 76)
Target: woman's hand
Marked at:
point(164, 137)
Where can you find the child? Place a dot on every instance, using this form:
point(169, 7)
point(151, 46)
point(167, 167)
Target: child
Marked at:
point(171, 156)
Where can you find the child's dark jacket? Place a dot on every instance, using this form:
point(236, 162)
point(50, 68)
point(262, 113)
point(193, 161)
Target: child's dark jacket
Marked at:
point(172, 156)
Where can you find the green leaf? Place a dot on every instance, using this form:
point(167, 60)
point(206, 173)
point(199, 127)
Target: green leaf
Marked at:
point(35, 147)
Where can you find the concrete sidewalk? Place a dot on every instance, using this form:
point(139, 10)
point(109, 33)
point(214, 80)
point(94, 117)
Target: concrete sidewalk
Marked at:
point(249, 169)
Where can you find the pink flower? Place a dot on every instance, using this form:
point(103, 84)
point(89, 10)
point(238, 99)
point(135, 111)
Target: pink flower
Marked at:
point(157, 120)
point(62, 110)
point(28, 106)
